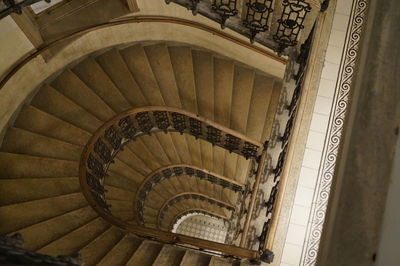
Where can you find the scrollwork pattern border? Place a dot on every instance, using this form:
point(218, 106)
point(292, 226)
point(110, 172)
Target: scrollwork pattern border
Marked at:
point(335, 127)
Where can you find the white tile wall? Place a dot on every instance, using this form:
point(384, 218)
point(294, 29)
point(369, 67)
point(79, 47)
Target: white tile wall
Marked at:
point(299, 218)
point(291, 254)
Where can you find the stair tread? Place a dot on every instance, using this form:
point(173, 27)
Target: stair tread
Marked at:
point(145, 254)
point(53, 102)
point(121, 252)
point(169, 256)
point(182, 63)
point(160, 62)
point(192, 258)
point(14, 191)
point(25, 166)
point(77, 239)
point(101, 245)
point(242, 89)
point(90, 72)
point(117, 70)
point(43, 233)
point(24, 214)
point(260, 100)
point(137, 62)
point(25, 142)
point(70, 85)
point(38, 121)
point(203, 66)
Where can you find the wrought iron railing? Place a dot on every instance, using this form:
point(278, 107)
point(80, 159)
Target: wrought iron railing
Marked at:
point(109, 139)
point(270, 203)
point(116, 133)
point(257, 18)
point(167, 172)
point(194, 211)
point(187, 196)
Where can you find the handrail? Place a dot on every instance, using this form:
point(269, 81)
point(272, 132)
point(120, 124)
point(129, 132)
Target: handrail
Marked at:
point(195, 210)
point(106, 142)
point(166, 172)
point(190, 195)
point(296, 108)
point(157, 235)
point(256, 185)
point(138, 19)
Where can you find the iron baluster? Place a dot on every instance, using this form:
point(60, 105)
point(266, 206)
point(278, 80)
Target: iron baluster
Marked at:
point(161, 119)
point(291, 23)
point(288, 130)
point(179, 122)
point(214, 135)
point(113, 138)
point(295, 97)
point(96, 166)
point(281, 161)
point(144, 122)
point(127, 127)
point(103, 151)
point(195, 127)
point(94, 183)
point(249, 150)
point(231, 143)
point(257, 16)
point(225, 8)
point(101, 202)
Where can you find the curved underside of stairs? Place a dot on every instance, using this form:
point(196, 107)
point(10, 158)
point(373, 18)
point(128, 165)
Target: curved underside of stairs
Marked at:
point(40, 193)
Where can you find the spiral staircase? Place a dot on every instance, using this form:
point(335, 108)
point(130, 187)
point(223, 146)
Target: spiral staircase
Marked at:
point(40, 159)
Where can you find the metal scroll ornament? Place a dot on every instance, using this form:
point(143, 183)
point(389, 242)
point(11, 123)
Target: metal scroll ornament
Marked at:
point(257, 16)
point(225, 8)
point(291, 22)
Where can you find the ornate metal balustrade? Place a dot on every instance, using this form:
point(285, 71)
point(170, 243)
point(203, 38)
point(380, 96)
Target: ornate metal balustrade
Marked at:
point(259, 18)
point(15, 6)
point(291, 23)
point(187, 196)
point(12, 254)
point(113, 135)
point(164, 173)
point(270, 204)
point(195, 211)
point(109, 139)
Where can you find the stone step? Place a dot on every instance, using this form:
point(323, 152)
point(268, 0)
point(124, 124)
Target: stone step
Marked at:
point(192, 258)
point(25, 142)
point(40, 122)
point(169, 256)
point(138, 63)
point(91, 73)
point(145, 254)
point(25, 166)
point(121, 252)
point(24, 214)
point(70, 85)
point(20, 190)
point(117, 70)
point(53, 102)
point(43, 233)
point(76, 239)
point(160, 62)
point(101, 245)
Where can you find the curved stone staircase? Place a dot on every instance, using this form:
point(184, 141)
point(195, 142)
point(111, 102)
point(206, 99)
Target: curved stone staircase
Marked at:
point(40, 194)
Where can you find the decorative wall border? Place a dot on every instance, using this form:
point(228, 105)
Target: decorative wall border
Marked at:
point(335, 127)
